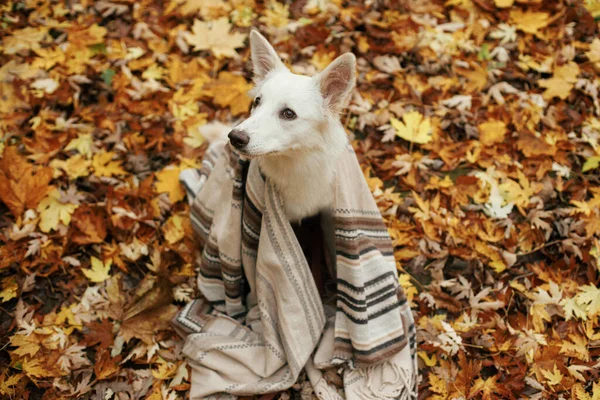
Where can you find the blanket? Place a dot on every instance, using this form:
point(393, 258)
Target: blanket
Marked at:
point(260, 320)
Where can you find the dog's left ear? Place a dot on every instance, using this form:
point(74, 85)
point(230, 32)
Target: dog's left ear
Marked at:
point(337, 81)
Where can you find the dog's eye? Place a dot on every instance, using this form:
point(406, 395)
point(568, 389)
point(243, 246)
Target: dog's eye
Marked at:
point(288, 114)
point(256, 102)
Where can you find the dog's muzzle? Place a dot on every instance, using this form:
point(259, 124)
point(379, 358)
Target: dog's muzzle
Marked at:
point(238, 138)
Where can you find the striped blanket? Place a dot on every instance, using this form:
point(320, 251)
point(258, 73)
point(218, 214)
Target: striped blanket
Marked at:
point(260, 320)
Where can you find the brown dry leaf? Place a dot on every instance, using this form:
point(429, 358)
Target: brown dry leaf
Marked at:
point(22, 186)
point(88, 225)
point(145, 325)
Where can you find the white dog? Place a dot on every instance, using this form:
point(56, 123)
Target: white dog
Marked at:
point(294, 130)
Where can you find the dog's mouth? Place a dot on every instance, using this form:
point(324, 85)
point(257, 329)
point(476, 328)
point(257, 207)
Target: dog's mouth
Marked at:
point(251, 155)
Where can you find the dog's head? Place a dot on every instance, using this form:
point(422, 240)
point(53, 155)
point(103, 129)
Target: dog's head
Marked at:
point(291, 112)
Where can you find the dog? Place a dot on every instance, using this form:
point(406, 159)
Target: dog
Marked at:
point(294, 131)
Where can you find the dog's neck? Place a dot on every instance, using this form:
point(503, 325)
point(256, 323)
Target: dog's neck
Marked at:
point(304, 179)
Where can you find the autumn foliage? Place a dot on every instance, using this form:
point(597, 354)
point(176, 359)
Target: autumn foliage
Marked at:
point(476, 123)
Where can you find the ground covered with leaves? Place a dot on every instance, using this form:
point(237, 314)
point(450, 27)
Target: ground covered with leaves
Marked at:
point(476, 123)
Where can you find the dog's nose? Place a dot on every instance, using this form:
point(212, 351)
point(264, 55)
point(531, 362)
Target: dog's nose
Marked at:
point(238, 138)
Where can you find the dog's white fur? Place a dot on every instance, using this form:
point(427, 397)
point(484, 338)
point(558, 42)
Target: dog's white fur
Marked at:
point(299, 155)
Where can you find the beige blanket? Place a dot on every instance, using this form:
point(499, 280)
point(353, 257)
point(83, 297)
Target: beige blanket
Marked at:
point(261, 320)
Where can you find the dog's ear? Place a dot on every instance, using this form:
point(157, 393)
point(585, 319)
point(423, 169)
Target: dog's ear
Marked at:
point(264, 56)
point(337, 81)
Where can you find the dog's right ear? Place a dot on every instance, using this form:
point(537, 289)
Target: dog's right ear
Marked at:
point(264, 56)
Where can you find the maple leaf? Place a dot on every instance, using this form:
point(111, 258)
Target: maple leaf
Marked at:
point(573, 309)
point(416, 128)
point(529, 21)
point(33, 368)
point(75, 167)
point(104, 165)
point(563, 81)
point(83, 144)
point(578, 348)
point(594, 53)
point(553, 377)
point(99, 271)
point(491, 132)
point(168, 182)
point(21, 185)
point(488, 388)
point(215, 36)
point(88, 226)
point(25, 39)
point(589, 297)
point(173, 229)
point(53, 211)
point(231, 91)
point(9, 289)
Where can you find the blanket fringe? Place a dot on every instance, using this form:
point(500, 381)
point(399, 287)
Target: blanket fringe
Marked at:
point(400, 386)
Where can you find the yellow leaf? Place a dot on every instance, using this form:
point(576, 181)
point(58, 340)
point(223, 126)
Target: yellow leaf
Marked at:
point(99, 271)
point(25, 39)
point(573, 309)
point(529, 21)
point(216, 37)
point(83, 144)
point(231, 91)
point(575, 371)
point(593, 54)
point(492, 131)
point(589, 298)
point(164, 371)
point(409, 290)
point(553, 378)
point(168, 182)
point(33, 368)
point(25, 345)
point(276, 15)
point(10, 288)
point(194, 138)
point(429, 361)
point(6, 383)
point(438, 385)
point(504, 3)
point(416, 128)
point(562, 82)
point(173, 229)
point(155, 72)
point(52, 212)
point(577, 348)
point(104, 166)
point(75, 167)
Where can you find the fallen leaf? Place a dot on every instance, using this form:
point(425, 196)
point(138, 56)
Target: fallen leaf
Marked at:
point(53, 211)
point(215, 36)
point(99, 271)
point(415, 128)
